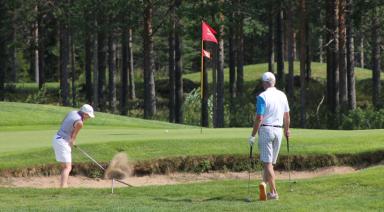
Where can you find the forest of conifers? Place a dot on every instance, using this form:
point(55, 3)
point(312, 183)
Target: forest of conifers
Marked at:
point(130, 57)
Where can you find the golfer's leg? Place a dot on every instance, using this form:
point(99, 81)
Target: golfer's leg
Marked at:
point(276, 144)
point(268, 167)
point(65, 170)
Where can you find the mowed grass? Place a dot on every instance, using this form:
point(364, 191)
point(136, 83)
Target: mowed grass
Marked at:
point(25, 141)
point(253, 72)
point(30, 144)
point(361, 191)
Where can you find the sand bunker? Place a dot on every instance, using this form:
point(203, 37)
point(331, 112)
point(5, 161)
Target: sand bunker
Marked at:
point(174, 178)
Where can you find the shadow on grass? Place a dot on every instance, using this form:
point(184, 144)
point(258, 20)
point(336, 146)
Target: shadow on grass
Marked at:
point(190, 200)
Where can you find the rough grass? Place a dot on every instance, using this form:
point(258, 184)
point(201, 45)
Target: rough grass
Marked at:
point(361, 191)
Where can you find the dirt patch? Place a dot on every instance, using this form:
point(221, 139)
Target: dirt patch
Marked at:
point(173, 178)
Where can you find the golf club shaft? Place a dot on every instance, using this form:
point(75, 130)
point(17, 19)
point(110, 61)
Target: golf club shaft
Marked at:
point(249, 169)
point(122, 182)
point(86, 154)
point(289, 161)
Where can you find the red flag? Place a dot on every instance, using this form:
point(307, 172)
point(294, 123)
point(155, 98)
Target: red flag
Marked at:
point(207, 54)
point(208, 34)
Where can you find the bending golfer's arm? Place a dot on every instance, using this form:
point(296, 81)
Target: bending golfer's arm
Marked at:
point(78, 126)
point(287, 121)
point(256, 125)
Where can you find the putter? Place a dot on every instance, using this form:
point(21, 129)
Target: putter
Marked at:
point(100, 166)
point(248, 199)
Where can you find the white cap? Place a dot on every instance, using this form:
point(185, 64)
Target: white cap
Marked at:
point(88, 110)
point(268, 77)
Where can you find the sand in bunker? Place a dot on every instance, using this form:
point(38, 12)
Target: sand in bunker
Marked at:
point(174, 178)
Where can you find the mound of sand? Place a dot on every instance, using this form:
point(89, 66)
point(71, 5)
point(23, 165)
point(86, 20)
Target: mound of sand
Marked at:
point(119, 168)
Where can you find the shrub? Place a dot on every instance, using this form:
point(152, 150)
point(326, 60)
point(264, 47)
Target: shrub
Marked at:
point(192, 108)
point(363, 119)
point(38, 98)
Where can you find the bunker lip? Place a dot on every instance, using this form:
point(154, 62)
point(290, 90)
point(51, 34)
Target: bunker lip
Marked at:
point(168, 179)
point(207, 163)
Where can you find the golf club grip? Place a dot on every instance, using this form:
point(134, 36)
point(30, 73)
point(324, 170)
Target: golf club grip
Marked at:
point(250, 151)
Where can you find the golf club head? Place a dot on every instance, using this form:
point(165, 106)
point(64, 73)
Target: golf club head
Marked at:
point(248, 199)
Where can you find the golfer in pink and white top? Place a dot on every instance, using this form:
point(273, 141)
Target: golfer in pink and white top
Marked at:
point(65, 139)
point(272, 114)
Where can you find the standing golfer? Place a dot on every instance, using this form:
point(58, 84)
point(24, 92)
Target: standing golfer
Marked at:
point(272, 114)
point(65, 139)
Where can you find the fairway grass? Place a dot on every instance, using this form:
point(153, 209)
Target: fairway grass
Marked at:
point(30, 144)
point(360, 191)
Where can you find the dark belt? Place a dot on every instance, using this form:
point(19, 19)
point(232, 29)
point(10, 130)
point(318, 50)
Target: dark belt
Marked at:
point(267, 125)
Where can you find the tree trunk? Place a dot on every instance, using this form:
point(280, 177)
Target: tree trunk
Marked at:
point(376, 66)
point(13, 49)
point(294, 47)
point(308, 68)
point(35, 36)
point(303, 55)
point(271, 40)
point(332, 62)
point(95, 71)
point(240, 57)
point(342, 58)
point(3, 44)
point(280, 50)
point(124, 71)
point(171, 68)
point(41, 36)
point(232, 64)
point(321, 52)
point(64, 61)
point(131, 73)
point(220, 76)
point(213, 62)
point(112, 72)
point(88, 66)
point(73, 69)
point(101, 58)
point(232, 69)
point(290, 52)
point(36, 47)
point(350, 58)
point(178, 69)
point(362, 51)
point(149, 66)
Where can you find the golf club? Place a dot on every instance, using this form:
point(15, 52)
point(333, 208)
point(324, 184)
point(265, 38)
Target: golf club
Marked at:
point(289, 166)
point(248, 199)
point(99, 165)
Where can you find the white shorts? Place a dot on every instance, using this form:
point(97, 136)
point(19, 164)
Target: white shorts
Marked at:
point(269, 143)
point(62, 149)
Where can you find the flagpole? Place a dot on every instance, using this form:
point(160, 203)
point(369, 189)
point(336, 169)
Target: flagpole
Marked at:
point(202, 76)
point(202, 69)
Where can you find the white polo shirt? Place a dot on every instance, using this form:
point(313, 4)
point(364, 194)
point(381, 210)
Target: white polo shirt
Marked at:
point(272, 104)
